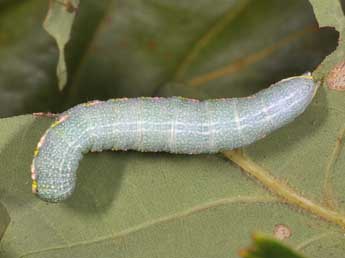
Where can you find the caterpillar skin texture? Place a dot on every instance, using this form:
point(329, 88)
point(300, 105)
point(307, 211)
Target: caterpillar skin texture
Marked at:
point(175, 125)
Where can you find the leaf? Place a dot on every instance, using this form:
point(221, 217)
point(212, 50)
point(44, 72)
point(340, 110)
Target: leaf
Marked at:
point(28, 56)
point(143, 204)
point(147, 49)
point(267, 247)
point(322, 11)
point(4, 220)
point(134, 49)
point(27, 59)
point(58, 23)
point(130, 204)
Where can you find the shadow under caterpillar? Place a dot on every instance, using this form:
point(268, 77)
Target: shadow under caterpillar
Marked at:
point(152, 124)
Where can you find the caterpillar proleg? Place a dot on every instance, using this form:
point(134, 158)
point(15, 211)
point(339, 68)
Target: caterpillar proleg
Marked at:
point(175, 125)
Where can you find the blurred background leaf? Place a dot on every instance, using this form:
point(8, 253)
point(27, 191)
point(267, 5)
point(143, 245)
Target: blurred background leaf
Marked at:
point(28, 58)
point(134, 48)
point(132, 204)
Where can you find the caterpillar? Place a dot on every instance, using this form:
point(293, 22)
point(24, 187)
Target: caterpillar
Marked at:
point(153, 124)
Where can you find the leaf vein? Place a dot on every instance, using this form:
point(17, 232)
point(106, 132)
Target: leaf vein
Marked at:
point(239, 64)
point(328, 194)
point(282, 190)
point(210, 34)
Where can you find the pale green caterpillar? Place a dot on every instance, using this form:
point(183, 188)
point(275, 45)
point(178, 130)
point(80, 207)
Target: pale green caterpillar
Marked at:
point(176, 125)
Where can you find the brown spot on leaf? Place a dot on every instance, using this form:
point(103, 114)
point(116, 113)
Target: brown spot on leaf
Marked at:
point(68, 6)
point(336, 77)
point(282, 231)
point(168, 55)
point(123, 44)
point(243, 252)
point(151, 44)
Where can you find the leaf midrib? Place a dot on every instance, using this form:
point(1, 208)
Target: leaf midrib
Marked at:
point(283, 191)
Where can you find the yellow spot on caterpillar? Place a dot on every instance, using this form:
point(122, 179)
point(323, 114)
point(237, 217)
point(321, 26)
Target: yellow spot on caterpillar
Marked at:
point(34, 186)
point(36, 152)
point(55, 124)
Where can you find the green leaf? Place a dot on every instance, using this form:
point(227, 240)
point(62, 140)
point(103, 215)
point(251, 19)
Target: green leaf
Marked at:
point(214, 51)
point(144, 204)
point(130, 204)
point(135, 49)
point(28, 57)
point(58, 23)
point(267, 247)
point(4, 220)
point(330, 13)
